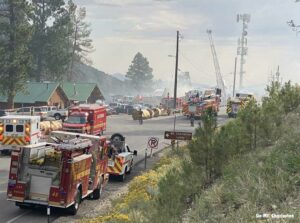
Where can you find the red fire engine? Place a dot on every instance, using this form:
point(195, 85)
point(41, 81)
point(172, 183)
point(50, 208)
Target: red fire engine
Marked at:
point(197, 105)
point(85, 118)
point(59, 173)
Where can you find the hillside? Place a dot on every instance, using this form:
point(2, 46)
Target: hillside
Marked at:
point(108, 84)
point(247, 170)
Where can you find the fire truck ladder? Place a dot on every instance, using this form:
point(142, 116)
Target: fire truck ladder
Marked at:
point(74, 144)
point(220, 81)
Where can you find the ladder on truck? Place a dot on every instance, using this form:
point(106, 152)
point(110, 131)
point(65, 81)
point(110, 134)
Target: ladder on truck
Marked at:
point(220, 80)
point(72, 144)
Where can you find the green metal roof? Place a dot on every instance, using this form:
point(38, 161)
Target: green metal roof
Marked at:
point(34, 92)
point(78, 91)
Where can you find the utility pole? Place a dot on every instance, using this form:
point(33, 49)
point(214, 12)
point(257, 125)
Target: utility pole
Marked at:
point(175, 84)
point(234, 77)
point(242, 44)
point(176, 70)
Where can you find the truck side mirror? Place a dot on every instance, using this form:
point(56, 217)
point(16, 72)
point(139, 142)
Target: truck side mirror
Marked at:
point(135, 153)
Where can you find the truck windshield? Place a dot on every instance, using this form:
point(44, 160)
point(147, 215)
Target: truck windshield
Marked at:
point(76, 120)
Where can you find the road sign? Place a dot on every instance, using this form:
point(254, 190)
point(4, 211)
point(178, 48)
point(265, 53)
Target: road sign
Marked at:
point(153, 142)
point(178, 135)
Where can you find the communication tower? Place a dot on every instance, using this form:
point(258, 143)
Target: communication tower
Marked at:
point(242, 49)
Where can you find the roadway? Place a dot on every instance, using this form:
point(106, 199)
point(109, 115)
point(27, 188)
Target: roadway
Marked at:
point(136, 137)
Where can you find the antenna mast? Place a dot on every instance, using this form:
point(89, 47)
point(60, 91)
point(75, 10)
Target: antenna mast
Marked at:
point(242, 44)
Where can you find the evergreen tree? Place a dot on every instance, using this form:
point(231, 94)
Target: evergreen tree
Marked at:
point(249, 117)
point(203, 149)
point(80, 43)
point(15, 58)
point(139, 72)
point(50, 38)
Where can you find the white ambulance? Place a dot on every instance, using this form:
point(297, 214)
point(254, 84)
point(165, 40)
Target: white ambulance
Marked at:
point(19, 130)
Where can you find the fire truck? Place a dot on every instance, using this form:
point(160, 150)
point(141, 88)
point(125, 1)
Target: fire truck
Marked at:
point(59, 173)
point(16, 130)
point(238, 102)
point(197, 105)
point(120, 160)
point(86, 118)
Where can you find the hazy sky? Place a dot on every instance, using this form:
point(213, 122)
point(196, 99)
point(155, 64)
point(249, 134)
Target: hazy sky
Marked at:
point(121, 28)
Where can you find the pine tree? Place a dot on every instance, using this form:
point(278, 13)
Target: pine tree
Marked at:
point(203, 150)
point(139, 72)
point(15, 59)
point(50, 38)
point(80, 43)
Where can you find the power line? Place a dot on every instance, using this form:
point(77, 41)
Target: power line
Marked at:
point(194, 66)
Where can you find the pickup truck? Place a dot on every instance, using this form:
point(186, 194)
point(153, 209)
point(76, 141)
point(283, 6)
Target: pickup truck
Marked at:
point(120, 160)
point(29, 111)
point(53, 111)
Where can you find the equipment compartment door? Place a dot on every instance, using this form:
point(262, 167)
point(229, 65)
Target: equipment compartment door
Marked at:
point(40, 188)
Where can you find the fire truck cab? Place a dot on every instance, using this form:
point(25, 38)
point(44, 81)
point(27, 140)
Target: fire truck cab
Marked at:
point(18, 130)
point(58, 173)
point(86, 118)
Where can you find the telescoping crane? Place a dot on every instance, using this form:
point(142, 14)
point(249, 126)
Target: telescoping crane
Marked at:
point(220, 81)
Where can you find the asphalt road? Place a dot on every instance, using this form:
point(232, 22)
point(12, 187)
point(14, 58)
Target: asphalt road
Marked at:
point(136, 137)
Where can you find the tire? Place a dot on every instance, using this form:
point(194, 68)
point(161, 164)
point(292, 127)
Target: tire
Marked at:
point(57, 116)
point(77, 199)
point(129, 171)
point(117, 137)
point(98, 191)
point(122, 177)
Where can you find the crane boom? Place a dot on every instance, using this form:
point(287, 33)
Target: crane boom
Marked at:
point(220, 81)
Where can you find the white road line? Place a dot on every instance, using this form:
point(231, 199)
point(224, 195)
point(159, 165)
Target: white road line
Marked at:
point(2, 191)
point(16, 218)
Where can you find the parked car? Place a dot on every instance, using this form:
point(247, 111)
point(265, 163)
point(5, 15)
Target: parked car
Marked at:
point(148, 106)
point(37, 111)
point(114, 105)
point(53, 111)
point(121, 108)
point(129, 109)
point(111, 111)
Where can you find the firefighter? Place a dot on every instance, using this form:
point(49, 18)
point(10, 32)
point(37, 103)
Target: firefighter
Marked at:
point(140, 116)
point(192, 119)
